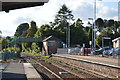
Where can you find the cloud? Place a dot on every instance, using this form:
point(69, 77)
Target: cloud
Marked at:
point(7, 33)
point(106, 12)
point(44, 14)
point(20, 20)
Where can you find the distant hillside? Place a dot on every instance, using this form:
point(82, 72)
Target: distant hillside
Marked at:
point(6, 36)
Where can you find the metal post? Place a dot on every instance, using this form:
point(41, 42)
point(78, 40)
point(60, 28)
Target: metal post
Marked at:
point(102, 42)
point(119, 11)
point(0, 6)
point(94, 45)
point(1, 44)
point(68, 35)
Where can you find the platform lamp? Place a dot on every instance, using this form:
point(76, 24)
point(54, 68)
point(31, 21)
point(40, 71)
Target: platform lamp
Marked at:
point(92, 43)
point(1, 45)
point(0, 40)
point(94, 27)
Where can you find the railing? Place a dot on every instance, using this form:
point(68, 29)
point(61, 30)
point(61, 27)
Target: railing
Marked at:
point(9, 55)
point(27, 39)
point(68, 50)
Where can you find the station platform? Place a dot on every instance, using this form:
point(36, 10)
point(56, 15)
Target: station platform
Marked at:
point(19, 71)
point(94, 59)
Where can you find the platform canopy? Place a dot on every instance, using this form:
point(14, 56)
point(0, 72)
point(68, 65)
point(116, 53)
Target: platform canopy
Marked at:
point(7, 5)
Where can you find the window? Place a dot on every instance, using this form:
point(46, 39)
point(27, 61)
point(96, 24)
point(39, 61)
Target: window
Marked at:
point(51, 43)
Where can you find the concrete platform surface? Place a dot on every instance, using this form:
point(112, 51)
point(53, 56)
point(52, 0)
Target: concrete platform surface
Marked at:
point(31, 73)
point(2, 67)
point(20, 71)
point(14, 71)
point(101, 60)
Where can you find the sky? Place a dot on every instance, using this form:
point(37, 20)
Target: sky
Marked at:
point(106, 9)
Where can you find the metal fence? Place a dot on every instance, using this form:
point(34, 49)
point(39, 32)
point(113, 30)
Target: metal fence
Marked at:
point(68, 50)
point(9, 55)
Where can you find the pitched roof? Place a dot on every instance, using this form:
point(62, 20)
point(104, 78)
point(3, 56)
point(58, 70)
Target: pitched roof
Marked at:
point(51, 38)
point(116, 39)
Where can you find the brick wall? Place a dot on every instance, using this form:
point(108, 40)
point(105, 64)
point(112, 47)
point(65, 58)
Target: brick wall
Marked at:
point(49, 49)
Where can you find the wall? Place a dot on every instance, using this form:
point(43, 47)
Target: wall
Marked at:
point(116, 43)
point(49, 48)
point(53, 49)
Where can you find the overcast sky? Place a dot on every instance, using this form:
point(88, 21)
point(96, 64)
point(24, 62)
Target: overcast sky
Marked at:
point(107, 9)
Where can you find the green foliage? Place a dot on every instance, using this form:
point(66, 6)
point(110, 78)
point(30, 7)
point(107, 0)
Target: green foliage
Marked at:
point(12, 49)
point(35, 48)
point(60, 23)
point(100, 23)
point(110, 23)
point(4, 43)
point(21, 29)
point(63, 14)
point(90, 34)
point(31, 33)
point(107, 32)
point(32, 30)
point(78, 35)
point(44, 30)
point(0, 33)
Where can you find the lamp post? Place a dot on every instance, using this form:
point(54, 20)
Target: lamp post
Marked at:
point(68, 32)
point(94, 29)
point(68, 35)
point(0, 53)
point(92, 43)
point(119, 11)
point(0, 40)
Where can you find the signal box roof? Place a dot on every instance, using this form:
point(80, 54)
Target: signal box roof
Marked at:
point(51, 38)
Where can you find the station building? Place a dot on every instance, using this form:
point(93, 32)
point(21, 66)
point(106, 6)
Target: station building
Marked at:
point(116, 42)
point(50, 45)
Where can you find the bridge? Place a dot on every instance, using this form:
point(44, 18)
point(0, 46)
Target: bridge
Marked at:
point(19, 40)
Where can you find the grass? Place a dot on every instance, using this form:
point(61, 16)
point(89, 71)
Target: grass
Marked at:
point(66, 63)
point(73, 68)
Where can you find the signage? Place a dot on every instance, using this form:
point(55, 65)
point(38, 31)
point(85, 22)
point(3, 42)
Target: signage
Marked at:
point(107, 38)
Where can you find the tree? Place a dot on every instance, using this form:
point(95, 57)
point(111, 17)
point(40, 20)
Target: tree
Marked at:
point(35, 48)
point(90, 34)
point(31, 33)
point(60, 22)
point(44, 30)
point(0, 34)
point(110, 23)
point(20, 29)
point(78, 35)
point(4, 43)
point(63, 14)
point(107, 32)
point(32, 30)
point(100, 23)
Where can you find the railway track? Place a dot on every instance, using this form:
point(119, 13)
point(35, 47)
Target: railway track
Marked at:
point(59, 74)
point(95, 68)
point(81, 75)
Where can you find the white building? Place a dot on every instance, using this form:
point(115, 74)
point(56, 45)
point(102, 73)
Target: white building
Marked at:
point(116, 42)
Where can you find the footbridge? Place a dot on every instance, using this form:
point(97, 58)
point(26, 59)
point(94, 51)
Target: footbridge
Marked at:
point(20, 40)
